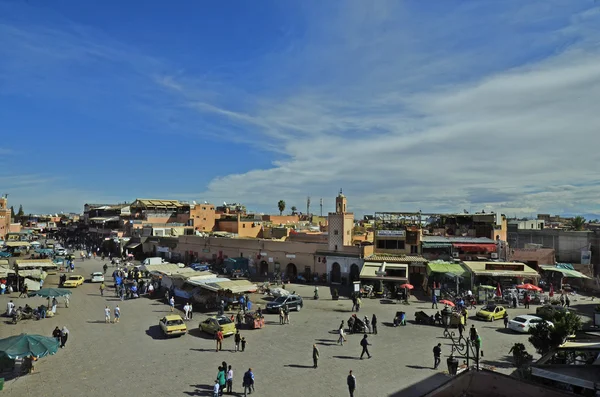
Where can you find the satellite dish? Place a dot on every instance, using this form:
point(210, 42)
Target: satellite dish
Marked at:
point(206, 202)
point(194, 202)
point(224, 203)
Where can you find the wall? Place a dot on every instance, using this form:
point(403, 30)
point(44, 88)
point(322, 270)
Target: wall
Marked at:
point(542, 256)
point(281, 219)
point(15, 228)
point(271, 251)
point(308, 237)
point(567, 244)
point(203, 216)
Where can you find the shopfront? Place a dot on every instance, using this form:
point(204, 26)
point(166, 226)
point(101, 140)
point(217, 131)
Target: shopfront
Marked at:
point(383, 275)
point(507, 274)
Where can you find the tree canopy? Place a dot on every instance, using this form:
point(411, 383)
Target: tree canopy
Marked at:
point(281, 206)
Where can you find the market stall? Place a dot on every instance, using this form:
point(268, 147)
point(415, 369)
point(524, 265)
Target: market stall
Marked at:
point(507, 274)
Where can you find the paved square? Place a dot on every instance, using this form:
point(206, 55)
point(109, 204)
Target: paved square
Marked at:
point(130, 357)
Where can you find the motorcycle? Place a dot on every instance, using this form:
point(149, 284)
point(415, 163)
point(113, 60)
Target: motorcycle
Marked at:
point(26, 313)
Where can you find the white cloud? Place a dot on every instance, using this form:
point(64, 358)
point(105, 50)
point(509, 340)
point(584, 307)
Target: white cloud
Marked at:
point(407, 130)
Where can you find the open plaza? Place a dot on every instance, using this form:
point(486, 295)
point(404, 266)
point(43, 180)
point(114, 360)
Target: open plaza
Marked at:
point(133, 356)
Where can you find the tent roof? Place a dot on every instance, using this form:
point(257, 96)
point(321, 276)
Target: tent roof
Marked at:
point(446, 267)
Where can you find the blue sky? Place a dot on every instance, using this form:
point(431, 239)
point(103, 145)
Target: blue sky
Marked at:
point(407, 105)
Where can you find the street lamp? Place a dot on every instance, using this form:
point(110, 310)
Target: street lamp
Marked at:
point(465, 348)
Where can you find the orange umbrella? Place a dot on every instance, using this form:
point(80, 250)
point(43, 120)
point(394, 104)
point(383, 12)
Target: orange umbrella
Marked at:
point(529, 287)
point(447, 302)
point(408, 286)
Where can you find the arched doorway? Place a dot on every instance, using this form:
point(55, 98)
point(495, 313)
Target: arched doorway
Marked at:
point(263, 269)
point(354, 272)
point(291, 271)
point(336, 273)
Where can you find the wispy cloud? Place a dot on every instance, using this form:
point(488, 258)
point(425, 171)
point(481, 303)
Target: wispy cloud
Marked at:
point(404, 116)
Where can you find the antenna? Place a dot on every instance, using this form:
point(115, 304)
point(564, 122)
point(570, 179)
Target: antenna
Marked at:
point(321, 204)
point(307, 205)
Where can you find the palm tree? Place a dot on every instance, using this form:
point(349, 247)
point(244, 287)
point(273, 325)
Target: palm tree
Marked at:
point(294, 209)
point(578, 223)
point(281, 206)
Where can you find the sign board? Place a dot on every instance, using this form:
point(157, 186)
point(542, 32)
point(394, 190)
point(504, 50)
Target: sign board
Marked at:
point(263, 254)
point(586, 257)
point(505, 266)
point(270, 260)
point(391, 233)
point(357, 286)
point(290, 256)
point(205, 250)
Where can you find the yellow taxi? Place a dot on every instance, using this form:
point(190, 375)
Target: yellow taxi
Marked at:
point(491, 312)
point(73, 281)
point(212, 324)
point(172, 325)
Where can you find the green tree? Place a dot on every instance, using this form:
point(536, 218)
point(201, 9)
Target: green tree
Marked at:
point(545, 337)
point(12, 213)
point(281, 206)
point(578, 223)
point(294, 209)
point(21, 212)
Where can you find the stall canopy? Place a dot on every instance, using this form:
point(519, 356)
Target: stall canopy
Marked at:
point(17, 244)
point(5, 271)
point(565, 272)
point(501, 269)
point(384, 271)
point(444, 267)
point(235, 286)
point(36, 264)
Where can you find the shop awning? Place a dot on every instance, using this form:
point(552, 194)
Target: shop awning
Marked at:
point(475, 247)
point(17, 244)
point(426, 244)
point(565, 272)
point(377, 270)
point(501, 269)
point(235, 286)
point(446, 267)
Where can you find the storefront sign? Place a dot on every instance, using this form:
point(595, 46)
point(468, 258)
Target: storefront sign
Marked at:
point(270, 260)
point(391, 233)
point(263, 254)
point(505, 266)
point(290, 256)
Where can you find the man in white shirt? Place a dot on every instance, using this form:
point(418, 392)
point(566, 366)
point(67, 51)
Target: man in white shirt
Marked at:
point(186, 311)
point(107, 315)
point(230, 380)
point(10, 306)
point(216, 389)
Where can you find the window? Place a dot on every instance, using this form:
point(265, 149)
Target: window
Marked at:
point(391, 244)
point(243, 225)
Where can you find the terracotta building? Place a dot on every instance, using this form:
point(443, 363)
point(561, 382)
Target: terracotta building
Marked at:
point(202, 217)
point(5, 220)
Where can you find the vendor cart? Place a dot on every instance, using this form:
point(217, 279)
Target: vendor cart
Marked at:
point(457, 318)
point(253, 320)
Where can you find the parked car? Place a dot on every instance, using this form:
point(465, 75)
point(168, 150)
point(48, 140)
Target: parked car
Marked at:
point(491, 312)
point(172, 325)
point(547, 312)
point(73, 281)
point(60, 251)
point(293, 302)
point(97, 277)
point(525, 322)
point(212, 324)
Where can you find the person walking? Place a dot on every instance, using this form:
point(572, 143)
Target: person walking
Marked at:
point(239, 318)
point(353, 302)
point(219, 338)
point(315, 356)
point(106, 315)
point(54, 305)
point(117, 314)
point(186, 310)
point(461, 329)
point(221, 377)
point(243, 343)
point(505, 319)
point(248, 382)
point(358, 303)
point(172, 303)
point(374, 324)
point(102, 287)
point(56, 334)
point(216, 388)
point(237, 338)
point(434, 301)
point(281, 315)
point(286, 315)
point(365, 347)
point(230, 380)
point(567, 301)
point(473, 333)
point(342, 337)
point(351, 382)
point(64, 335)
point(437, 353)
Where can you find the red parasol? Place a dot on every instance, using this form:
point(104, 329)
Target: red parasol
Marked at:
point(408, 286)
point(551, 293)
point(447, 302)
point(498, 291)
point(529, 287)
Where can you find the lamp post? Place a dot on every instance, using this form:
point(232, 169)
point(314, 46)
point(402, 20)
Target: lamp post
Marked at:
point(464, 348)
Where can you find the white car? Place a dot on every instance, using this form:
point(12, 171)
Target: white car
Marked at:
point(525, 322)
point(60, 251)
point(97, 277)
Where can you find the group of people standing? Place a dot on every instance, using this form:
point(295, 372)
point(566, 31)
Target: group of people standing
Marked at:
point(224, 381)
